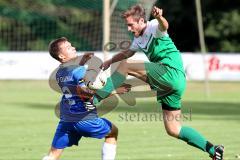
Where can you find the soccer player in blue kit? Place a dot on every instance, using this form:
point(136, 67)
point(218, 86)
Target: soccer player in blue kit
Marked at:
point(78, 115)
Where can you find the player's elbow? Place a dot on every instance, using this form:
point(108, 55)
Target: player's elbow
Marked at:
point(130, 53)
point(164, 27)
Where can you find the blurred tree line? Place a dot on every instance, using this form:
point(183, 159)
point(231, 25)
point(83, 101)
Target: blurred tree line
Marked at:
point(32, 24)
point(221, 20)
point(29, 25)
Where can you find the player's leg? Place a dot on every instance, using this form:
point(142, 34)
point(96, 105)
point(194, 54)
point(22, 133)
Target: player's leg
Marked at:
point(54, 154)
point(175, 129)
point(188, 134)
point(134, 68)
point(65, 136)
point(172, 121)
point(100, 128)
point(170, 85)
point(110, 144)
point(126, 67)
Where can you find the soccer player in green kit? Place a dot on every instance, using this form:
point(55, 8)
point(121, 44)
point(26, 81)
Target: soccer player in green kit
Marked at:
point(164, 73)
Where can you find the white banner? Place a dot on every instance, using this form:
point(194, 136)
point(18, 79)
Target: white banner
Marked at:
point(26, 65)
point(220, 67)
point(39, 65)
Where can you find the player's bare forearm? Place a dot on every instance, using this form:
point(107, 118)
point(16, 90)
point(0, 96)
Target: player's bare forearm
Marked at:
point(85, 58)
point(122, 55)
point(118, 57)
point(163, 23)
point(124, 88)
point(158, 14)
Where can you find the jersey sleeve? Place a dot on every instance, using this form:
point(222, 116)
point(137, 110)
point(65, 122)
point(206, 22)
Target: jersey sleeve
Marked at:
point(79, 73)
point(155, 30)
point(134, 46)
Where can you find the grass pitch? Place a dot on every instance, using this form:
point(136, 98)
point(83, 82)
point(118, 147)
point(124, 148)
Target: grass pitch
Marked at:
point(28, 122)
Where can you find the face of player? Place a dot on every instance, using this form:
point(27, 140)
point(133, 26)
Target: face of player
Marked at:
point(67, 51)
point(134, 26)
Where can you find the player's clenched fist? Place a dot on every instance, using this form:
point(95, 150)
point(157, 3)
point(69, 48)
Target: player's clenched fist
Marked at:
point(157, 12)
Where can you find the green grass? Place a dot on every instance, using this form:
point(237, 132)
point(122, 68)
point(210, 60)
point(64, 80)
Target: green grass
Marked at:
point(28, 121)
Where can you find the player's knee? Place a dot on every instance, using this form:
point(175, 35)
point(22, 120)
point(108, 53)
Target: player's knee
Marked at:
point(48, 158)
point(123, 65)
point(116, 131)
point(113, 133)
point(172, 132)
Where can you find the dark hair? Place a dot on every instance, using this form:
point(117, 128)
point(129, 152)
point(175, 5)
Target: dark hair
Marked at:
point(136, 12)
point(54, 47)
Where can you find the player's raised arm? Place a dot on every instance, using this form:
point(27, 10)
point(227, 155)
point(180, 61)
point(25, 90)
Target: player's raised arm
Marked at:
point(118, 57)
point(158, 14)
point(85, 58)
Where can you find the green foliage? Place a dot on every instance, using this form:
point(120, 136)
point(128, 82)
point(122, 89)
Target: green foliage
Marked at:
point(31, 25)
point(3, 46)
point(224, 31)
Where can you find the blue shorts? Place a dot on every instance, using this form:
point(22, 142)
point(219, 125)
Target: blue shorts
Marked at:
point(69, 133)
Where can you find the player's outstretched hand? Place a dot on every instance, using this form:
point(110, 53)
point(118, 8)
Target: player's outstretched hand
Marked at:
point(124, 88)
point(86, 57)
point(157, 12)
point(85, 92)
point(105, 65)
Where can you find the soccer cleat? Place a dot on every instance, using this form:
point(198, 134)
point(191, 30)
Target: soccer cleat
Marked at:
point(218, 154)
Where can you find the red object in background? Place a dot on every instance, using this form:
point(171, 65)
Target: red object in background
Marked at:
point(215, 64)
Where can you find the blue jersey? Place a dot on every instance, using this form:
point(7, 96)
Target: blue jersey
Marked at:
point(72, 107)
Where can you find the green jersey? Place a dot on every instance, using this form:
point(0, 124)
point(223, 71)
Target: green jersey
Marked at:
point(158, 46)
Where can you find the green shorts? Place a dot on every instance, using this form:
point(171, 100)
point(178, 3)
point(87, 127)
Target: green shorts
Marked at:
point(170, 84)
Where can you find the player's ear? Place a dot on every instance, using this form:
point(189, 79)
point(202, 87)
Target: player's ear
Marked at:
point(61, 57)
point(141, 21)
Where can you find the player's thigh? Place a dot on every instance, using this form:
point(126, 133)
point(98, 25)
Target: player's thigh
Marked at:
point(137, 69)
point(165, 80)
point(65, 136)
point(170, 97)
point(170, 100)
point(159, 77)
point(95, 128)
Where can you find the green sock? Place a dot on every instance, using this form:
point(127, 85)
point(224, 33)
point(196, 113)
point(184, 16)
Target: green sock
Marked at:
point(194, 138)
point(112, 83)
point(210, 148)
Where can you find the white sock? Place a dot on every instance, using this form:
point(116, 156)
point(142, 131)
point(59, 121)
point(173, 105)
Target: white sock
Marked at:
point(108, 151)
point(48, 158)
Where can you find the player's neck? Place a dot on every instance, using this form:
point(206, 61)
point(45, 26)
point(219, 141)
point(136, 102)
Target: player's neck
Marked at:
point(144, 28)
